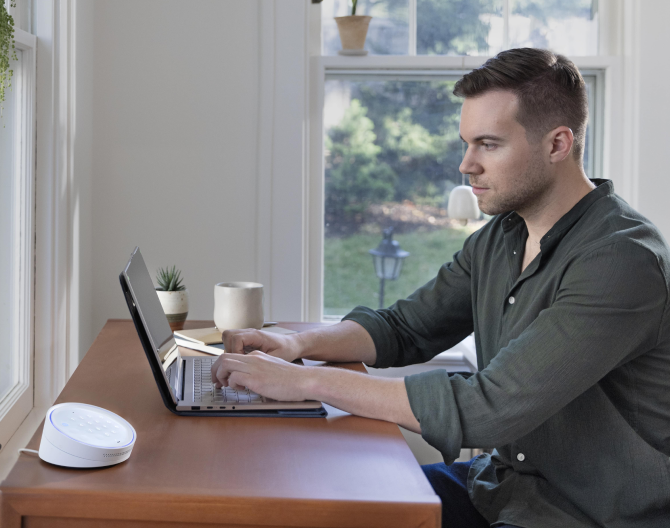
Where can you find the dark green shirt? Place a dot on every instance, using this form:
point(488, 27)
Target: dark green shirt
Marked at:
point(573, 388)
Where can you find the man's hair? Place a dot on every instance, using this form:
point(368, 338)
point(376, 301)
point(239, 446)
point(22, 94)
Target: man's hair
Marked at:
point(550, 89)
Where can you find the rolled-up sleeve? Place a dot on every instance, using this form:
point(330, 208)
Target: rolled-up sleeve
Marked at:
point(434, 318)
point(608, 308)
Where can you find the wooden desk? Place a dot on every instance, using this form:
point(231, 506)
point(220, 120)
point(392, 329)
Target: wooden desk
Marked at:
point(343, 471)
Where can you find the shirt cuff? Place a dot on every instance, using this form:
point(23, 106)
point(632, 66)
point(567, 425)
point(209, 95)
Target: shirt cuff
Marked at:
point(434, 406)
point(382, 334)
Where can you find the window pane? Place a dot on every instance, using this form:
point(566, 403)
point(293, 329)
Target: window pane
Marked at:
point(392, 157)
point(569, 27)
point(389, 29)
point(8, 353)
point(22, 13)
point(589, 154)
point(459, 27)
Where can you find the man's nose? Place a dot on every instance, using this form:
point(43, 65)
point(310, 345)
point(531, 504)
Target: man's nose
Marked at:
point(469, 164)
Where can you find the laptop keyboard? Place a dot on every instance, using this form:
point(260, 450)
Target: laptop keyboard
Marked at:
point(205, 392)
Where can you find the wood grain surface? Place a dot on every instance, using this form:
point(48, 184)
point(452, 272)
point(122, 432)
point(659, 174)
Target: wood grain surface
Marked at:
point(341, 471)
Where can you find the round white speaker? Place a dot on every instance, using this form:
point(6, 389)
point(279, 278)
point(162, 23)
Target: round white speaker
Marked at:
point(84, 436)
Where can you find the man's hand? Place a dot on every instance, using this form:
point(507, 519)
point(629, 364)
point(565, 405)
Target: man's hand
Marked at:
point(267, 375)
point(354, 392)
point(286, 347)
point(261, 361)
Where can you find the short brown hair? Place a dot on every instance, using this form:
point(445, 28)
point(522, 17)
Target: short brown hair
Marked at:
point(550, 89)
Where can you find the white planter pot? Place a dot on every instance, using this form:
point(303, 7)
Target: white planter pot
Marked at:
point(175, 306)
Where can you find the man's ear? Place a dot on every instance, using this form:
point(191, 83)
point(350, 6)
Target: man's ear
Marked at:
point(561, 139)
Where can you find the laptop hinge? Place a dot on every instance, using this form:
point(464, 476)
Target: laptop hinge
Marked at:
point(182, 382)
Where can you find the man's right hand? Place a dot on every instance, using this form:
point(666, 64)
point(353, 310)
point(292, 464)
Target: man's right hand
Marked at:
point(286, 347)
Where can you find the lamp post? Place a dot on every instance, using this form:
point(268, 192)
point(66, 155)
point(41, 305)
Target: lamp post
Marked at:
point(387, 259)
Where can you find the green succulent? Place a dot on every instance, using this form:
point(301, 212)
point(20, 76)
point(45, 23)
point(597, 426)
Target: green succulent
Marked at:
point(169, 279)
point(7, 50)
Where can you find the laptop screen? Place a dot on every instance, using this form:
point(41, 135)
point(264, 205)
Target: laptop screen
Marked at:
point(150, 309)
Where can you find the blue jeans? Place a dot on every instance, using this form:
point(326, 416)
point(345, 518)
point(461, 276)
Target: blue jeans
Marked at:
point(451, 485)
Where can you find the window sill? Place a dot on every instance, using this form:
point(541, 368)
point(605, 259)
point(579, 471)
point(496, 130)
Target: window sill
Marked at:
point(10, 452)
point(429, 62)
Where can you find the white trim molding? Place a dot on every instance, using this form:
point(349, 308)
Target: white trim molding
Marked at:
point(55, 353)
point(629, 89)
point(16, 405)
point(266, 106)
point(52, 283)
point(283, 182)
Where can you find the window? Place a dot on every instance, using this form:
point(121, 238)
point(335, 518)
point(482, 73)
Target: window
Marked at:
point(16, 239)
point(44, 253)
point(469, 27)
point(389, 130)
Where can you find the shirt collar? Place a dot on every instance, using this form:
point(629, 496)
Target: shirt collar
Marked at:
point(558, 230)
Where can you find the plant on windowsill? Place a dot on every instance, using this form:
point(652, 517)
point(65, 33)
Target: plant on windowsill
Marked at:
point(7, 50)
point(173, 296)
point(353, 31)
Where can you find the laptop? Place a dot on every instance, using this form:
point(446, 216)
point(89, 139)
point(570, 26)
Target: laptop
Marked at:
point(185, 383)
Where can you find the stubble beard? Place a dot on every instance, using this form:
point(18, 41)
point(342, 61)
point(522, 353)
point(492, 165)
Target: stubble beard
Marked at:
point(526, 191)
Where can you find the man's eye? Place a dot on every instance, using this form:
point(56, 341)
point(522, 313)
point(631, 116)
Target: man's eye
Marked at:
point(489, 146)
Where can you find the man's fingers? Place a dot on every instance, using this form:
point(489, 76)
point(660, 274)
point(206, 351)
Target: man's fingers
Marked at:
point(225, 367)
point(239, 380)
point(241, 341)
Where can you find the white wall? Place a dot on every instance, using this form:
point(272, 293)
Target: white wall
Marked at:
point(82, 168)
point(654, 114)
point(190, 127)
point(170, 122)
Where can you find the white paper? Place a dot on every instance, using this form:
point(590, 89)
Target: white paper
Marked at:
point(214, 350)
point(278, 330)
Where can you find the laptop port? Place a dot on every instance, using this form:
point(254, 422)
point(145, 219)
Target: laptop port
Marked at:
point(221, 407)
point(195, 407)
point(210, 407)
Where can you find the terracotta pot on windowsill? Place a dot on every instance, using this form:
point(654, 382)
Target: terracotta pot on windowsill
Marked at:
point(353, 31)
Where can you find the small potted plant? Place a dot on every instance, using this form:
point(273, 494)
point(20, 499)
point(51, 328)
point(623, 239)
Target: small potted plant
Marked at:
point(353, 31)
point(173, 296)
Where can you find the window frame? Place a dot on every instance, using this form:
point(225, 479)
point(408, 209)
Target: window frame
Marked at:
point(289, 220)
point(54, 244)
point(18, 403)
point(603, 68)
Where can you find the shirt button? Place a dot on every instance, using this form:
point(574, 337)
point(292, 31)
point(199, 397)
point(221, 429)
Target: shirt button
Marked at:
point(511, 300)
point(521, 457)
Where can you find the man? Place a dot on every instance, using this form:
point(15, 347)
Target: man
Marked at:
point(566, 290)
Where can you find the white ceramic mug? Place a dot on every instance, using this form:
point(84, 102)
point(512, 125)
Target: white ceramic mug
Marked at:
point(238, 305)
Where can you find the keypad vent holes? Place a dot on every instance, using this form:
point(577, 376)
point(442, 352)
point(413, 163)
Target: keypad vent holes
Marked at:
point(116, 454)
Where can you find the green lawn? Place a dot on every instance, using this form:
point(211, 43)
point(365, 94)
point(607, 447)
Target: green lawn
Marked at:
point(349, 276)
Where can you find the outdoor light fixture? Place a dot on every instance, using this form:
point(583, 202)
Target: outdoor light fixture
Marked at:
point(84, 436)
point(463, 203)
point(387, 259)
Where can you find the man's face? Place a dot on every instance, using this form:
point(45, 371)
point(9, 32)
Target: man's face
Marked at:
point(506, 172)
